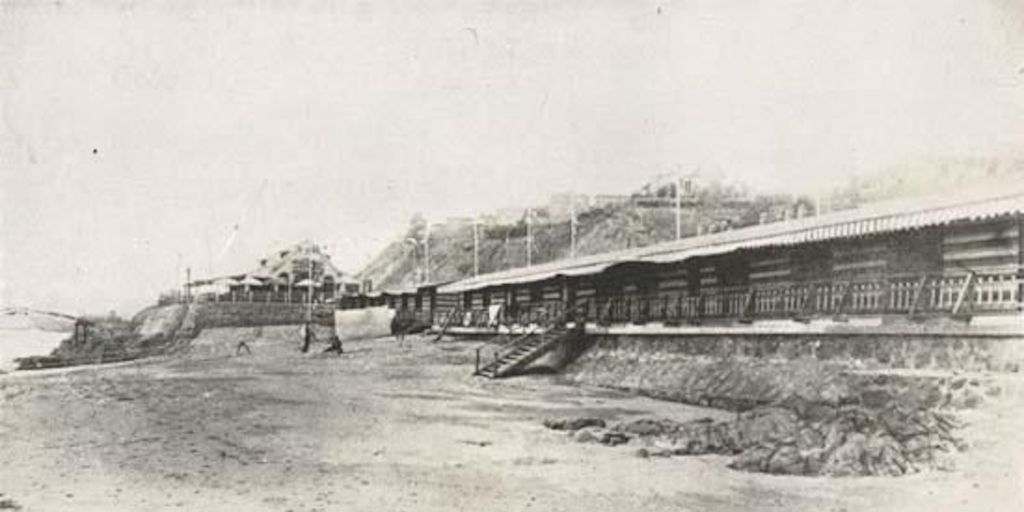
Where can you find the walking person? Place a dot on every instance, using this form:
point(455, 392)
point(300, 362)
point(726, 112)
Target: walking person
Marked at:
point(398, 329)
point(307, 337)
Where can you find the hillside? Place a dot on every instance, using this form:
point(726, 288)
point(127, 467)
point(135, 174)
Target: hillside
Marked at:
point(600, 229)
point(647, 216)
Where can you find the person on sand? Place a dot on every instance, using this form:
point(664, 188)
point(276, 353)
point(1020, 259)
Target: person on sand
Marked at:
point(335, 346)
point(398, 330)
point(242, 344)
point(307, 337)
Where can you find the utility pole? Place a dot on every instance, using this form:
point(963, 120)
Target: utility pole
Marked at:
point(309, 287)
point(426, 253)
point(177, 275)
point(529, 237)
point(572, 225)
point(188, 284)
point(416, 262)
point(476, 248)
point(679, 206)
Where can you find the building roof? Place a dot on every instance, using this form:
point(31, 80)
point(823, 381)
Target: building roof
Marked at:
point(283, 261)
point(888, 216)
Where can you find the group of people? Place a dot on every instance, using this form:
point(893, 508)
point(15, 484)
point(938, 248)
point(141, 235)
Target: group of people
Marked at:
point(399, 328)
point(308, 337)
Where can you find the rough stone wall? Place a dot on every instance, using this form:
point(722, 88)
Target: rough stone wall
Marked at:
point(964, 353)
point(743, 372)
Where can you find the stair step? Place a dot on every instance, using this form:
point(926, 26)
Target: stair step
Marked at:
point(516, 354)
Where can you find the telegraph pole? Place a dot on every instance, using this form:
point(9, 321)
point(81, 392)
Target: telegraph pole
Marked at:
point(426, 253)
point(572, 225)
point(309, 288)
point(529, 237)
point(476, 248)
point(679, 206)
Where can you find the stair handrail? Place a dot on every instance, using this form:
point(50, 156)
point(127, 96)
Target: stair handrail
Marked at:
point(452, 313)
point(550, 325)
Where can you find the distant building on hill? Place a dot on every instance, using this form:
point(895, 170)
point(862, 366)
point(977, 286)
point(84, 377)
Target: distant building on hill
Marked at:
point(508, 215)
point(603, 200)
point(560, 206)
point(297, 273)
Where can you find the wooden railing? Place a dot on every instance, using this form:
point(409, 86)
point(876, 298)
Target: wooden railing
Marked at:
point(911, 295)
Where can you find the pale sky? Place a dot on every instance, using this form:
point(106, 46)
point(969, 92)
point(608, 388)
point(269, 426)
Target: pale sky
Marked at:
point(336, 121)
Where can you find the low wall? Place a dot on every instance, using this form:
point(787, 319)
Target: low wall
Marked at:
point(163, 324)
point(253, 314)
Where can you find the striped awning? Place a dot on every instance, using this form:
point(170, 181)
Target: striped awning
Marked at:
point(869, 220)
point(882, 217)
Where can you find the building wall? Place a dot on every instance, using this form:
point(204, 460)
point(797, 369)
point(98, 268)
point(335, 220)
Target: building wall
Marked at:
point(862, 264)
point(983, 246)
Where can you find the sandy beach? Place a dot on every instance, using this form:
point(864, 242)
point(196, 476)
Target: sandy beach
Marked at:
point(386, 427)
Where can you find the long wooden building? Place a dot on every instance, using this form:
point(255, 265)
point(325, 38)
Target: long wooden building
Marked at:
point(956, 257)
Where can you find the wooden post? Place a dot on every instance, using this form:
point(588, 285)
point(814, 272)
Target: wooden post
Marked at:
point(567, 298)
point(699, 306)
point(844, 301)
point(572, 225)
point(966, 296)
point(529, 237)
point(746, 315)
point(806, 306)
point(309, 289)
point(476, 248)
point(918, 295)
point(679, 207)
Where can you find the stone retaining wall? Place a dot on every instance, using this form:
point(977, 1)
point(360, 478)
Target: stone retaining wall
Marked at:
point(740, 372)
point(963, 353)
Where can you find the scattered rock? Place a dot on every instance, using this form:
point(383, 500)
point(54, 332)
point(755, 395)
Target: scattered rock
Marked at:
point(588, 435)
point(614, 438)
point(648, 427)
point(9, 504)
point(809, 439)
point(572, 424)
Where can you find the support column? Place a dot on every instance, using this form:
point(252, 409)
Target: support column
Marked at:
point(568, 298)
point(918, 295)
